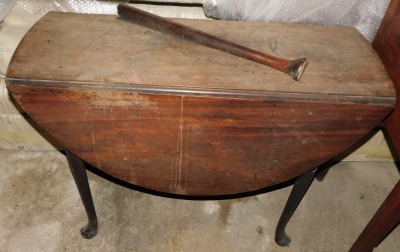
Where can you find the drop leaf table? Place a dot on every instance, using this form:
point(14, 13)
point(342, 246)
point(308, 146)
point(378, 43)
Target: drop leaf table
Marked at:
point(176, 117)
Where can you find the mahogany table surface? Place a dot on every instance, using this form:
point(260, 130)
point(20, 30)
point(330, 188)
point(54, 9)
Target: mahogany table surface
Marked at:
point(173, 116)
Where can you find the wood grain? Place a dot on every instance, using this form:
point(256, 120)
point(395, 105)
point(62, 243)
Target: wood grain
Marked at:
point(197, 145)
point(103, 49)
point(387, 45)
point(176, 117)
point(387, 217)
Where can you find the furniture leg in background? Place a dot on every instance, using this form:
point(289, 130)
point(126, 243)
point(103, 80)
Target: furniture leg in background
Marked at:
point(384, 221)
point(387, 45)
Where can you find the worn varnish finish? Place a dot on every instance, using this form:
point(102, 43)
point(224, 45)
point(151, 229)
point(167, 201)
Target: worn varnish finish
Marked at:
point(177, 117)
point(197, 145)
point(106, 50)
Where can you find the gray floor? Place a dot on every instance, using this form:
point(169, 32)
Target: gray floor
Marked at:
point(40, 210)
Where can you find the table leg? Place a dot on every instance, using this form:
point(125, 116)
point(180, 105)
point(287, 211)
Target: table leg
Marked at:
point(382, 223)
point(299, 189)
point(78, 170)
point(323, 170)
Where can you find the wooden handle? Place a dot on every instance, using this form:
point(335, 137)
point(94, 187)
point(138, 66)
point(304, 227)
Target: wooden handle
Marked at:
point(294, 68)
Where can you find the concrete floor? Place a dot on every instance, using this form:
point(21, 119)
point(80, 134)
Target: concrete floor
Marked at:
point(40, 210)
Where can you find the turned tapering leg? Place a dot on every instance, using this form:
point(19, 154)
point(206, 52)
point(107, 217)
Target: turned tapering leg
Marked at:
point(79, 173)
point(323, 170)
point(299, 189)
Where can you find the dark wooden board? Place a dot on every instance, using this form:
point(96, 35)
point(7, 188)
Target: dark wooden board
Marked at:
point(197, 145)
